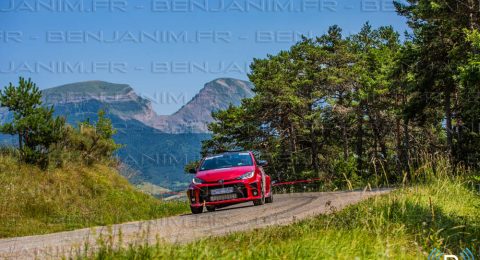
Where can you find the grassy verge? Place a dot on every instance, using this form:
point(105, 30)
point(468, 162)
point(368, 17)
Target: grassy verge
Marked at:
point(33, 201)
point(406, 224)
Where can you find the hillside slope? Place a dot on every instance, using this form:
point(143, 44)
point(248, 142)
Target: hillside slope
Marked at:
point(33, 201)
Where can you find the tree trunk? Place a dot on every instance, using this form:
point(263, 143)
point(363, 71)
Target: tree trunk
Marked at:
point(448, 122)
point(344, 132)
point(20, 141)
point(406, 147)
point(383, 148)
point(345, 142)
point(21, 145)
point(473, 11)
point(292, 148)
point(398, 148)
point(314, 147)
point(359, 141)
point(458, 129)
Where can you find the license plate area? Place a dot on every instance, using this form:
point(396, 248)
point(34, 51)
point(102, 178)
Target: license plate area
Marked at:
point(221, 191)
point(220, 197)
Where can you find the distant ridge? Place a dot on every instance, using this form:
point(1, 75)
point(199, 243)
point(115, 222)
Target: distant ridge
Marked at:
point(81, 91)
point(90, 87)
point(121, 99)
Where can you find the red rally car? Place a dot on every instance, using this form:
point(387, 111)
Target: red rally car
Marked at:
point(229, 178)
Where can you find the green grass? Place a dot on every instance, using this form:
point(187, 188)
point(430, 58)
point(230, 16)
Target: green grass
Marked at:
point(405, 224)
point(33, 201)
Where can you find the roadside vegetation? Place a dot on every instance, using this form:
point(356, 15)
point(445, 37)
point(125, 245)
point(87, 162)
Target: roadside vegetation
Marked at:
point(62, 177)
point(440, 211)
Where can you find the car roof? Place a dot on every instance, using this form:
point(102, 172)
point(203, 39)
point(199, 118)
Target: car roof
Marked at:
point(227, 152)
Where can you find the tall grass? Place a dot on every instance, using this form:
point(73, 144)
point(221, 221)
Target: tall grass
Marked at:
point(440, 211)
point(35, 201)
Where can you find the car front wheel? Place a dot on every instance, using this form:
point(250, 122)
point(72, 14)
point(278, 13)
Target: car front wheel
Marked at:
point(260, 201)
point(269, 199)
point(196, 210)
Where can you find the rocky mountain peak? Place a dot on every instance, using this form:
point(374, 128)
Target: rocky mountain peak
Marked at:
point(87, 90)
point(217, 94)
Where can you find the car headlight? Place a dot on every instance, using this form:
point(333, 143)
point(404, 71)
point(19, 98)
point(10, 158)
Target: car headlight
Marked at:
point(196, 180)
point(247, 175)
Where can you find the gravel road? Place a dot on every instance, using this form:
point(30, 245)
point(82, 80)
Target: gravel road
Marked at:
point(285, 209)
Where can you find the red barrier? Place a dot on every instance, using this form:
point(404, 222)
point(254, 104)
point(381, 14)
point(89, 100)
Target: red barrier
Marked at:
point(295, 182)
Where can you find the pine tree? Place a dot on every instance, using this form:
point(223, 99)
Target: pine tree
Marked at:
point(440, 48)
point(35, 125)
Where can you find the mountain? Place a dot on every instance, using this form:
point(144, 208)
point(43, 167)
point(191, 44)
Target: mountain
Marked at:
point(123, 102)
point(120, 99)
point(156, 147)
point(194, 116)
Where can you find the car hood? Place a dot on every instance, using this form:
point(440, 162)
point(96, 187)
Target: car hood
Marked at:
point(224, 173)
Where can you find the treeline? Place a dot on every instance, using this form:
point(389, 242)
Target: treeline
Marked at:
point(368, 105)
point(47, 140)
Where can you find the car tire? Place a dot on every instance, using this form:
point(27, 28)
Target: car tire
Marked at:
point(196, 210)
point(211, 208)
point(269, 199)
point(260, 201)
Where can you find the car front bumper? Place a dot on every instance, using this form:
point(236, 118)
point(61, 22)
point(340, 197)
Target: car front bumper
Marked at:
point(243, 190)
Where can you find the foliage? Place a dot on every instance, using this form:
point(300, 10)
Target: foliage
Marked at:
point(36, 127)
point(469, 78)
point(92, 142)
point(191, 165)
point(323, 99)
point(442, 94)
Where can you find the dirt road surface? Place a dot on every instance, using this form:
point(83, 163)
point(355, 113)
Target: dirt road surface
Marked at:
point(285, 209)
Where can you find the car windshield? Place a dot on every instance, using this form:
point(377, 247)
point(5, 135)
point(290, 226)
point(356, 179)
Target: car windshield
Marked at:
point(226, 160)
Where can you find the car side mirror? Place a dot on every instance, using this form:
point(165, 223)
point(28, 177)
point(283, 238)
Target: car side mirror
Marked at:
point(262, 163)
point(192, 170)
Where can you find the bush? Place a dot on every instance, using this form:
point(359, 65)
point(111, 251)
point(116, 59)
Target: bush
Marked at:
point(347, 169)
point(87, 143)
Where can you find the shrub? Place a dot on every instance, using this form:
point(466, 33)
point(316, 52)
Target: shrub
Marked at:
point(92, 142)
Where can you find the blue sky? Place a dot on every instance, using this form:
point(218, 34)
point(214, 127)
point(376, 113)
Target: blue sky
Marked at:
point(165, 49)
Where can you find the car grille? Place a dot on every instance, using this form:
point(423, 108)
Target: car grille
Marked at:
point(229, 196)
point(240, 191)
